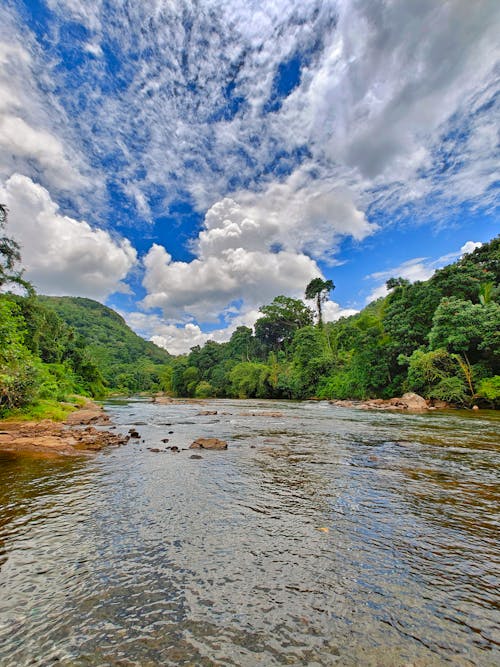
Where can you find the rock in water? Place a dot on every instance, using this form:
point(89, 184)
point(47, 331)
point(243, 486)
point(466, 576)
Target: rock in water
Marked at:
point(208, 443)
point(414, 401)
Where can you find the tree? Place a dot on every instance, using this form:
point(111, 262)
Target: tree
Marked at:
point(319, 289)
point(469, 329)
point(10, 255)
point(280, 320)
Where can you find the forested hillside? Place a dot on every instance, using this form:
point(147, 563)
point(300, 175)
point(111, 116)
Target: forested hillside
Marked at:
point(439, 338)
point(52, 349)
point(125, 360)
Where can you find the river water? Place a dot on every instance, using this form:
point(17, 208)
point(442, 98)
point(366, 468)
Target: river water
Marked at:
point(325, 536)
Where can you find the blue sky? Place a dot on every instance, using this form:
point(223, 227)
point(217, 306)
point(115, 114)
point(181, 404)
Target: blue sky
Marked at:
point(187, 161)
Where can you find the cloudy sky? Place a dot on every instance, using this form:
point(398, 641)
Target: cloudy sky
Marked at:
point(186, 161)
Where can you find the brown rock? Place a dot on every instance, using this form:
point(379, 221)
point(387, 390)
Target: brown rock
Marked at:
point(91, 413)
point(205, 413)
point(414, 401)
point(208, 443)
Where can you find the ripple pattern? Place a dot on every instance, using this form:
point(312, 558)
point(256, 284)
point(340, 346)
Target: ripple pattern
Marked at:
point(325, 536)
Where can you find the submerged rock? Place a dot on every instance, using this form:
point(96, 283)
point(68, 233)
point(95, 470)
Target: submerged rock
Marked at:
point(208, 443)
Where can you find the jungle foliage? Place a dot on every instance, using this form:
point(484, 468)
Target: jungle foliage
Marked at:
point(439, 338)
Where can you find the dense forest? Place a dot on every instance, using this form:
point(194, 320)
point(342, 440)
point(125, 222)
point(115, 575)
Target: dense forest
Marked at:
point(439, 338)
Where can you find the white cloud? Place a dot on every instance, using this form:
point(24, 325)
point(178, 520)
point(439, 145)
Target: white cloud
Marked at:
point(469, 247)
point(63, 256)
point(252, 248)
point(301, 214)
point(28, 137)
point(203, 288)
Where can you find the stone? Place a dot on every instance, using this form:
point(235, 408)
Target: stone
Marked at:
point(413, 401)
point(208, 443)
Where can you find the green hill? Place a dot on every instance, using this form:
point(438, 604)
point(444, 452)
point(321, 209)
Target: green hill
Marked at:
point(125, 360)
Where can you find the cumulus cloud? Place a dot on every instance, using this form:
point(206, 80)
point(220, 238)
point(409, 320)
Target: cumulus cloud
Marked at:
point(301, 215)
point(252, 249)
point(201, 289)
point(470, 246)
point(63, 256)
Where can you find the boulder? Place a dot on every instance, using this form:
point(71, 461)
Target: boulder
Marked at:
point(208, 443)
point(413, 401)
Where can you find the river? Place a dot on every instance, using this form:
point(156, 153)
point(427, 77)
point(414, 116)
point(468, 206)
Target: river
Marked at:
point(324, 536)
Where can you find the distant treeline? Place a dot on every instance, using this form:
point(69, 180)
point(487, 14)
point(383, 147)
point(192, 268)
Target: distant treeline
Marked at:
point(439, 338)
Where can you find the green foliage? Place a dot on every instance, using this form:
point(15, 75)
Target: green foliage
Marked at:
point(249, 380)
point(489, 391)
point(436, 374)
point(204, 390)
point(18, 371)
point(103, 344)
point(468, 329)
point(280, 320)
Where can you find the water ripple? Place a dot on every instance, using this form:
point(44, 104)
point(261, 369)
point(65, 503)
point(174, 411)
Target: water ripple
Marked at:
point(324, 537)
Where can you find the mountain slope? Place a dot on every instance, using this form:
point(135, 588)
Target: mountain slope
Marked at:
point(125, 359)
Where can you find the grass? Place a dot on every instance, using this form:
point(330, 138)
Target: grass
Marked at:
point(45, 409)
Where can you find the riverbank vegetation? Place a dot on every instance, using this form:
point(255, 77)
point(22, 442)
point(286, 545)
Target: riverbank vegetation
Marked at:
point(439, 338)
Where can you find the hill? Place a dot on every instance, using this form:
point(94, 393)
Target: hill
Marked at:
point(125, 360)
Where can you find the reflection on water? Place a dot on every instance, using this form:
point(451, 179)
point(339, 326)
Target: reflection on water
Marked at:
point(326, 536)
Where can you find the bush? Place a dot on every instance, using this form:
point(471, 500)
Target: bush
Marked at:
point(204, 390)
point(489, 391)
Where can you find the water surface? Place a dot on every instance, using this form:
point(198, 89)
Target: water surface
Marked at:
point(326, 536)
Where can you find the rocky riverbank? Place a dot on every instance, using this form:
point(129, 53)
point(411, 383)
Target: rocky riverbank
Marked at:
point(410, 402)
point(77, 436)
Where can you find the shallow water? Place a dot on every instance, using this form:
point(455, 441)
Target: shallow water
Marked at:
point(326, 536)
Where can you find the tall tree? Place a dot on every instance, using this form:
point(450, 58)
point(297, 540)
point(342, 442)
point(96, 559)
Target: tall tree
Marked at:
point(319, 290)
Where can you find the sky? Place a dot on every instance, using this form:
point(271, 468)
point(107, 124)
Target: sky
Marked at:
point(186, 161)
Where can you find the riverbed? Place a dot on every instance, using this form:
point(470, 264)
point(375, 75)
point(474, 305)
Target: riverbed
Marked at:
point(322, 536)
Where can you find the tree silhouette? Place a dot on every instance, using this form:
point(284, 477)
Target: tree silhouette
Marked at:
point(319, 290)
